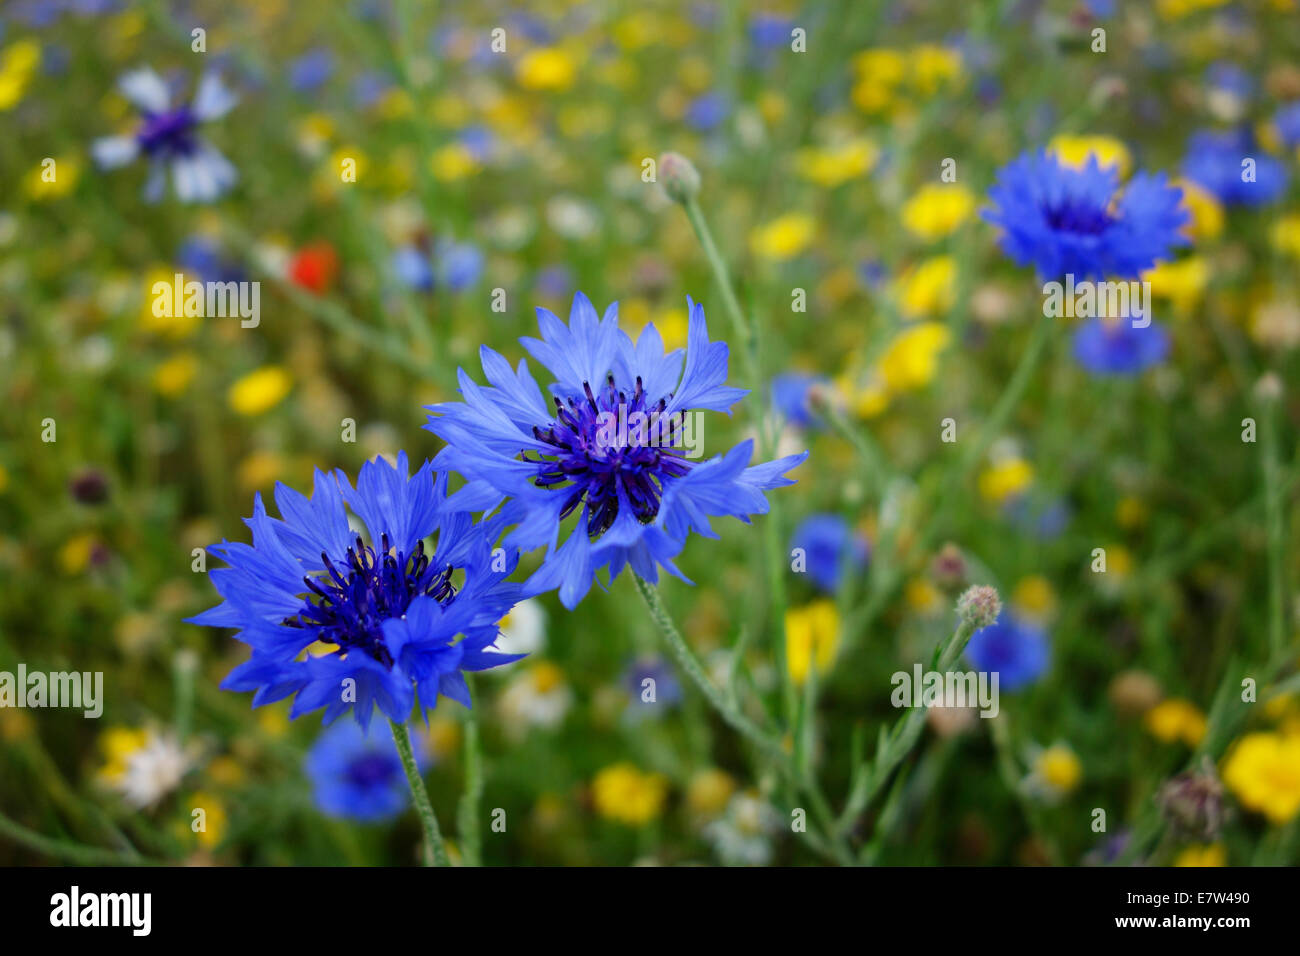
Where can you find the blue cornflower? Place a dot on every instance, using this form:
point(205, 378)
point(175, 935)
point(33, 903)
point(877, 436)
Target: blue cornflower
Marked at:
point(707, 111)
point(1231, 79)
point(358, 775)
point(792, 398)
point(168, 137)
point(1287, 121)
point(617, 447)
point(667, 689)
point(311, 70)
point(391, 610)
point(1078, 221)
point(830, 548)
point(1015, 649)
point(1214, 159)
point(456, 265)
point(1119, 348)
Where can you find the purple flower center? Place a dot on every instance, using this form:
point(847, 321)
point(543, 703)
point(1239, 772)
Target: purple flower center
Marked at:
point(168, 134)
point(372, 769)
point(1078, 216)
point(610, 451)
point(348, 607)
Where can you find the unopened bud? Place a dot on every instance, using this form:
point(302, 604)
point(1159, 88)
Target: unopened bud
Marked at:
point(680, 178)
point(948, 567)
point(1193, 803)
point(979, 606)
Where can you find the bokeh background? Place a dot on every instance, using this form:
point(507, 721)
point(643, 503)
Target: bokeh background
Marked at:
point(522, 171)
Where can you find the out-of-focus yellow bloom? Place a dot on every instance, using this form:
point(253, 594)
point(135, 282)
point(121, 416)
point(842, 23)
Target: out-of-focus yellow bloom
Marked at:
point(117, 745)
point(225, 772)
point(1034, 597)
point(260, 390)
point(922, 596)
point(396, 103)
point(314, 132)
point(1074, 151)
point(65, 172)
point(174, 376)
point(259, 471)
point(623, 793)
point(937, 210)
point(672, 324)
point(709, 790)
point(1211, 854)
point(453, 162)
point(783, 238)
point(1131, 512)
point(1263, 770)
point(1176, 719)
point(1206, 211)
point(929, 289)
point(869, 400)
point(1119, 561)
point(442, 738)
point(933, 68)
point(1177, 9)
point(772, 106)
point(18, 63)
point(177, 325)
point(636, 30)
point(549, 69)
point(213, 818)
point(880, 74)
point(1005, 479)
point(1181, 282)
point(1275, 323)
point(74, 556)
point(835, 165)
point(910, 360)
point(1058, 768)
point(811, 632)
point(273, 721)
point(1285, 235)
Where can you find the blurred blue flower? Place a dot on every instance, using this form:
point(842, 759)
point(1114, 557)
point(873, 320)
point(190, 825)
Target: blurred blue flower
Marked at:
point(357, 775)
point(617, 448)
point(1077, 221)
point(370, 87)
point(707, 111)
point(311, 70)
point(391, 611)
point(1215, 160)
point(554, 282)
point(1287, 121)
point(1231, 79)
point(167, 137)
point(202, 256)
point(768, 31)
point(1117, 347)
point(831, 548)
point(1015, 649)
point(454, 265)
point(790, 397)
point(667, 688)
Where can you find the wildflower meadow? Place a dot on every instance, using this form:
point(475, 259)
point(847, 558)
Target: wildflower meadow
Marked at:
point(704, 433)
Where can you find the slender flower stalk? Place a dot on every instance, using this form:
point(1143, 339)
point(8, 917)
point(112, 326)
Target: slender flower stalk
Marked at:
point(467, 815)
point(435, 853)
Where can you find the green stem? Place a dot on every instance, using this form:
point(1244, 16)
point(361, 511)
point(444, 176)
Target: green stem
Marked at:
point(1276, 534)
point(65, 850)
point(695, 671)
point(467, 820)
point(435, 854)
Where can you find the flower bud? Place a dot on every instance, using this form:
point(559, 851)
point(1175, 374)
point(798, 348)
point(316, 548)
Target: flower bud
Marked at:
point(979, 606)
point(1192, 803)
point(680, 178)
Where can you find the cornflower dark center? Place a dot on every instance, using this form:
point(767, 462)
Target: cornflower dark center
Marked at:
point(170, 133)
point(607, 444)
point(348, 606)
point(1078, 216)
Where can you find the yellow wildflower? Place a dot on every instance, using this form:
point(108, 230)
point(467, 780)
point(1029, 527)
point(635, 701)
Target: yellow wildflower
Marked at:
point(173, 376)
point(1181, 282)
point(1205, 209)
point(928, 289)
point(1074, 151)
point(1211, 854)
point(1058, 768)
point(1005, 479)
point(1176, 719)
point(259, 391)
point(1034, 597)
point(938, 210)
point(910, 360)
point(1263, 770)
point(549, 69)
point(709, 790)
point(783, 238)
point(209, 826)
point(621, 792)
point(812, 631)
point(835, 165)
